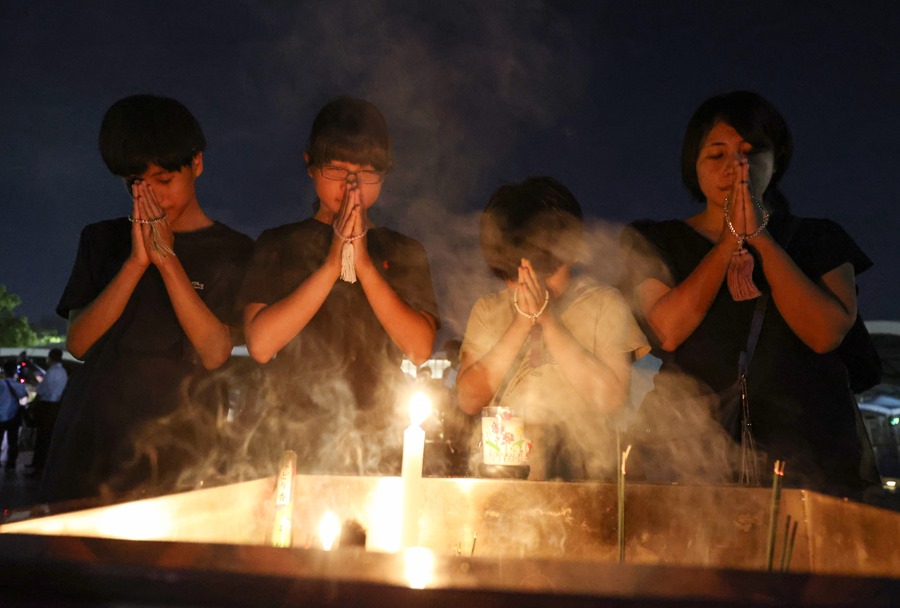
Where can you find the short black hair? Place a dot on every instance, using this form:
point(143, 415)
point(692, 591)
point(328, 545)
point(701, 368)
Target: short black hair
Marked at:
point(144, 129)
point(538, 219)
point(751, 115)
point(55, 355)
point(351, 130)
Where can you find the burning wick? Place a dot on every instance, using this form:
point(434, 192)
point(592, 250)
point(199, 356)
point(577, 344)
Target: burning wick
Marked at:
point(411, 472)
point(620, 486)
point(777, 476)
point(329, 530)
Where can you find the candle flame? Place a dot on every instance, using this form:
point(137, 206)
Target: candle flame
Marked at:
point(329, 530)
point(418, 567)
point(419, 408)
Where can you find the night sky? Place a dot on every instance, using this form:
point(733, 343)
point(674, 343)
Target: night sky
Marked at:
point(476, 93)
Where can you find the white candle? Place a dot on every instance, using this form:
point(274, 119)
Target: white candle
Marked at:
point(411, 472)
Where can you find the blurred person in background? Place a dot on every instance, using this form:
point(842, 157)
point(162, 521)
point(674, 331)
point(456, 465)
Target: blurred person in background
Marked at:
point(45, 409)
point(13, 397)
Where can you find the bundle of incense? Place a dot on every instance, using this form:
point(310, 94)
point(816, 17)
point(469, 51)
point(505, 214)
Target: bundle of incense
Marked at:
point(284, 500)
point(777, 476)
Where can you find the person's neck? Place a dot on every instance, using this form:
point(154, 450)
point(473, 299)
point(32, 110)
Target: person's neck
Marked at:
point(191, 219)
point(324, 216)
point(709, 221)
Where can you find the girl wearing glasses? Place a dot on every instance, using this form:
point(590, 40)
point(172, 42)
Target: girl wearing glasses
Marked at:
point(333, 303)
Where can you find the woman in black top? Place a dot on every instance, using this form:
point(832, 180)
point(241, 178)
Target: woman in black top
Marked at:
point(697, 296)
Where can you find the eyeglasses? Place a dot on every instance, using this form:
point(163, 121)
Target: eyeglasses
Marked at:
point(340, 174)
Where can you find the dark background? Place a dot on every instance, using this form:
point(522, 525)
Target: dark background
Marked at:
point(476, 93)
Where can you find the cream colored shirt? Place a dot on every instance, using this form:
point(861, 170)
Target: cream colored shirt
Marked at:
point(598, 317)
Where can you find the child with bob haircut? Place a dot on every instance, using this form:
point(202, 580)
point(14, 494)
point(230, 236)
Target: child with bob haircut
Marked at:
point(340, 301)
point(554, 341)
point(150, 300)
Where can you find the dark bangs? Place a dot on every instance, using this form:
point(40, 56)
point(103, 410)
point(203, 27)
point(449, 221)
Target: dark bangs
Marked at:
point(537, 219)
point(144, 129)
point(356, 150)
point(352, 130)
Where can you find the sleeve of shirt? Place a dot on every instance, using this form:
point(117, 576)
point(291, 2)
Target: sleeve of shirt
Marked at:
point(478, 339)
point(834, 247)
point(222, 299)
point(616, 329)
point(644, 258)
point(414, 284)
point(261, 281)
point(83, 286)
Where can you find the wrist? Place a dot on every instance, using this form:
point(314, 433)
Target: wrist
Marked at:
point(167, 265)
point(135, 265)
point(762, 240)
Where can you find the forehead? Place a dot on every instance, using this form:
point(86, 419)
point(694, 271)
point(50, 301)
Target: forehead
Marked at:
point(722, 134)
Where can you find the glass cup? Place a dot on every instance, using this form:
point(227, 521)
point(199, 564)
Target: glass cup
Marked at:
point(504, 445)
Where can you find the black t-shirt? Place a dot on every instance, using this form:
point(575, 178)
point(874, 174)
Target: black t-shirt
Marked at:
point(132, 373)
point(342, 364)
point(801, 408)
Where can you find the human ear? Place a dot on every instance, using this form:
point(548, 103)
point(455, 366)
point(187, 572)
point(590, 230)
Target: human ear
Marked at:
point(197, 164)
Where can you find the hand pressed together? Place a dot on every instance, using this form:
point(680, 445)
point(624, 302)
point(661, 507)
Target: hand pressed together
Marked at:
point(157, 239)
point(746, 217)
point(530, 294)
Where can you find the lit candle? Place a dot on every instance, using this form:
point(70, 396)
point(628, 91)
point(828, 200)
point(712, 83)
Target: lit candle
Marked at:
point(329, 529)
point(411, 473)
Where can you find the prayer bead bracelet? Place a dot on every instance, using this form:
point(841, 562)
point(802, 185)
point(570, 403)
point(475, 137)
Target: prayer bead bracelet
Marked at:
point(760, 228)
point(155, 220)
point(532, 316)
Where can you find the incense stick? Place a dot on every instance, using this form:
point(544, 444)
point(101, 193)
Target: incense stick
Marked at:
point(773, 512)
point(474, 540)
point(620, 486)
point(790, 550)
point(784, 540)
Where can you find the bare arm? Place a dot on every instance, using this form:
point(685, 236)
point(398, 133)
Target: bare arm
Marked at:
point(820, 313)
point(674, 313)
point(87, 325)
point(411, 330)
point(479, 379)
point(600, 381)
point(268, 328)
point(210, 337)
